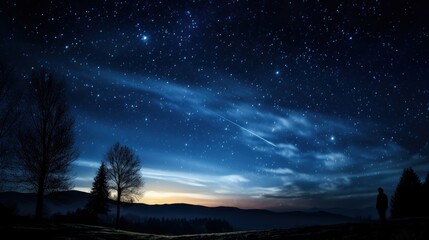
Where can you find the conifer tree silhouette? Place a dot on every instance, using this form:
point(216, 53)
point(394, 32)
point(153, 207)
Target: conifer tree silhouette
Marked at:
point(99, 195)
point(407, 200)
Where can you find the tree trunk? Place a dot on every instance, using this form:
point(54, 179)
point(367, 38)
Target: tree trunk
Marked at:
point(39, 200)
point(42, 174)
point(118, 209)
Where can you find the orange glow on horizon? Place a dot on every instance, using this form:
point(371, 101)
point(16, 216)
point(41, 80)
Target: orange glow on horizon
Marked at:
point(152, 197)
point(156, 197)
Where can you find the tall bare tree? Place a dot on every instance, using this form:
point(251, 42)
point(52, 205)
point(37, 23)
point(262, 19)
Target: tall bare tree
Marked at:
point(124, 174)
point(9, 115)
point(46, 144)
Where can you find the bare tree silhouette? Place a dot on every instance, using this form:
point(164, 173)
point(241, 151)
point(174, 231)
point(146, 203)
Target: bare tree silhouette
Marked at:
point(124, 174)
point(9, 115)
point(46, 142)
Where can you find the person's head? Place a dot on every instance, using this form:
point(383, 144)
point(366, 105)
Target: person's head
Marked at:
point(380, 190)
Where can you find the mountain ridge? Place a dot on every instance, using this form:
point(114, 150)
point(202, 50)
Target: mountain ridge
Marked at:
point(241, 219)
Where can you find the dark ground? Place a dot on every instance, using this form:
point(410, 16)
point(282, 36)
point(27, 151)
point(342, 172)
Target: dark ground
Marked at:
point(415, 228)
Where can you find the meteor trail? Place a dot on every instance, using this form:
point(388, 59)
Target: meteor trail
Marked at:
point(247, 130)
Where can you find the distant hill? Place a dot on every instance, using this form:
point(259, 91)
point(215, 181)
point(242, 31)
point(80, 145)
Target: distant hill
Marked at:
point(239, 218)
point(359, 213)
point(60, 202)
point(242, 219)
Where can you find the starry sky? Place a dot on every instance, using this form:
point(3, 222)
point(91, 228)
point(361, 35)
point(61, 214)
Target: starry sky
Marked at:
point(254, 104)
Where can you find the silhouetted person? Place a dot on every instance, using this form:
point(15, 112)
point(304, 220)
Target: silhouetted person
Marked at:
point(381, 205)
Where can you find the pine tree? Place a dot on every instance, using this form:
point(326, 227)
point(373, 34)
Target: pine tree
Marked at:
point(99, 195)
point(407, 200)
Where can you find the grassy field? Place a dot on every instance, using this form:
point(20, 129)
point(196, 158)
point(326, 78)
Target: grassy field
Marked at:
point(416, 228)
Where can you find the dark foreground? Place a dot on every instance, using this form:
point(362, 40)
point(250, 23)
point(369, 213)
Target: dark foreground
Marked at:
point(416, 228)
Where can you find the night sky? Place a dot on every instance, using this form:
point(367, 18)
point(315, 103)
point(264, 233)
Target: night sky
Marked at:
point(255, 104)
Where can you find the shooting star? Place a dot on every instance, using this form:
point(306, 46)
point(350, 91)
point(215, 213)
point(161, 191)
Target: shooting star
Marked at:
point(247, 130)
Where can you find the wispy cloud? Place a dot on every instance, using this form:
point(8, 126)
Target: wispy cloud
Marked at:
point(270, 124)
point(161, 195)
point(332, 160)
point(297, 184)
point(233, 179)
point(218, 183)
point(279, 170)
point(179, 97)
point(286, 150)
point(261, 192)
point(87, 163)
point(260, 126)
point(177, 177)
point(255, 123)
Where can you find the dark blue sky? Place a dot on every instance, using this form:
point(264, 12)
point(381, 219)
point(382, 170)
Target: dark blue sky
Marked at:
point(255, 104)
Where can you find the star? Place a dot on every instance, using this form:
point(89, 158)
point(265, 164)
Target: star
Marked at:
point(144, 38)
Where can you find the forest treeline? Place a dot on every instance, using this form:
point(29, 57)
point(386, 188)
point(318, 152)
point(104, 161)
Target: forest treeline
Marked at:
point(174, 226)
